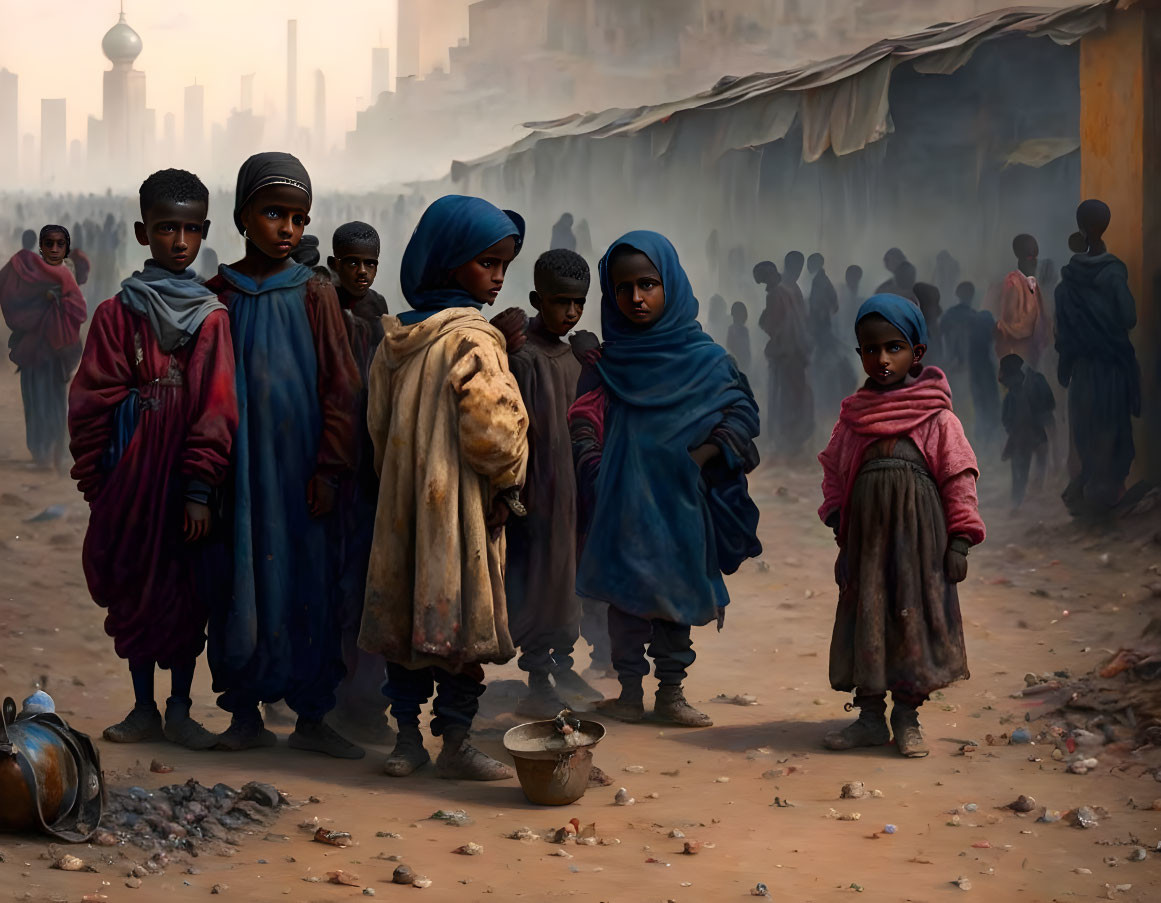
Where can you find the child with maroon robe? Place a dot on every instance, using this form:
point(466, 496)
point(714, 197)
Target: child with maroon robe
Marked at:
point(899, 490)
point(44, 308)
point(152, 413)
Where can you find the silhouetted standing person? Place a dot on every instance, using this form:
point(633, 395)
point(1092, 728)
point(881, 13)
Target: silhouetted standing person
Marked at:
point(1098, 364)
point(791, 402)
point(562, 234)
point(1023, 326)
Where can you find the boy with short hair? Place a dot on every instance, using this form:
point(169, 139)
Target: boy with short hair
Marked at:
point(361, 708)
point(544, 611)
point(152, 414)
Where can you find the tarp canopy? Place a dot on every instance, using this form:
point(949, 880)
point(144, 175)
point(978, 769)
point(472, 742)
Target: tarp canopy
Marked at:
point(842, 103)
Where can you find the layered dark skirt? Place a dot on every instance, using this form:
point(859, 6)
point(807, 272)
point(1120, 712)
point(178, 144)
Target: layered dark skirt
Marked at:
point(898, 625)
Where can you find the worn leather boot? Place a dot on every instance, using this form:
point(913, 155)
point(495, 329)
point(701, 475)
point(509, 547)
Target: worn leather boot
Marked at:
point(459, 760)
point(670, 706)
point(409, 755)
point(908, 735)
point(870, 729)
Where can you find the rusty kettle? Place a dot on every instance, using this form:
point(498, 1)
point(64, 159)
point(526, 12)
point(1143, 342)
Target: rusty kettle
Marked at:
point(50, 775)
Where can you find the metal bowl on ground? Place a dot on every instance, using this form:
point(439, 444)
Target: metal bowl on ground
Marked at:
point(553, 768)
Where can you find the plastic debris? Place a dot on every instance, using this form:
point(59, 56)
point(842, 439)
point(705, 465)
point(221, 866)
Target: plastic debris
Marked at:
point(457, 818)
point(334, 838)
point(1019, 736)
point(963, 883)
point(525, 834)
point(421, 881)
point(1082, 766)
point(759, 890)
point(634, 769)
point(368, 891)
point(52, 512)
point(741, 699)
point(1083, 817)
point(889, 829)
point(622, 798)
point(677, 834)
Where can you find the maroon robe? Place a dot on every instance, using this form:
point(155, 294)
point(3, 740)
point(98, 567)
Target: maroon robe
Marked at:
point(135, 558)
point(43, 307)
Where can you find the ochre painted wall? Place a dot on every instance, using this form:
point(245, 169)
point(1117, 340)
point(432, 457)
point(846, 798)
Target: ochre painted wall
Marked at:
point(1120, 143)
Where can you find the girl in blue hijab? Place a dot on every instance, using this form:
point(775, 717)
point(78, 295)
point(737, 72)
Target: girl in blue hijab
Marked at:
point(662, 446)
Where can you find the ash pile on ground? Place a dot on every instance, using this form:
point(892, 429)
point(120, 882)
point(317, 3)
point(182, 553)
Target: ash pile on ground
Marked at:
point(187, 818)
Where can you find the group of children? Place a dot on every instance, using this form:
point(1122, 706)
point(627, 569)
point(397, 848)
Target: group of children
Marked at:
point(324, 487)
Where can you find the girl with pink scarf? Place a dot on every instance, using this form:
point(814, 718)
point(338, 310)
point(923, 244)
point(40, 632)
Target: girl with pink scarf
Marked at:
point(899, 488)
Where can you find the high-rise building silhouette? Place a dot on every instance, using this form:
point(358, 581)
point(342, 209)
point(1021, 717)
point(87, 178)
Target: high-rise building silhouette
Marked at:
point(9, 129)
point(319, 138)
point(53, 141)
point(194, 122)
point(291, 81)
point(121, 134)
point(380, 72)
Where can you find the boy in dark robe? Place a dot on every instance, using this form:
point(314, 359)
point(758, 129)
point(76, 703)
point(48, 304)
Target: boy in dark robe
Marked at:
point(361, 708)
point(274, 631)
point(1027, 417)
point(927, 297)
point(791, 401)
point(835, 377)
point(792, 266)
point(823, 300)
point(1098, 365)
point(543, 608)
point(562, 234)
point(158, 369)
point(717, 324)
point(44, 308)
point(738, 342)
point(850, 296)
point(972, 332)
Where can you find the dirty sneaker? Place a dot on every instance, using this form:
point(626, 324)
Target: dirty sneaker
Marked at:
point(141, 725)
point(908, 735)
point(245, 732)
point(572, 684)
point(670, 706)
point(409, 755)
point(318, 736)
point(181, 729)
point(461, 761)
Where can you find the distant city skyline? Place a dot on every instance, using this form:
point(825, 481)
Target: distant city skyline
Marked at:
point(213, 43)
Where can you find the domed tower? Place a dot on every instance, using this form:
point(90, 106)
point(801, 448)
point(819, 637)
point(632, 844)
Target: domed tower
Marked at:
point(121, 132)
point(121, 44)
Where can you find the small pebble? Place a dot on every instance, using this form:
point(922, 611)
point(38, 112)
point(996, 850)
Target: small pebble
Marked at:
point(760, 890)
point(963, 883)
point(219, 888)
point(1140, 854)
point(368, 891)
point(421, 882)
point(889, 829)
point(722, 780)
point(133, 883)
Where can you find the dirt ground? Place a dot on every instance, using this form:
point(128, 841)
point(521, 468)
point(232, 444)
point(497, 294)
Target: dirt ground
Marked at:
point(1039, 598)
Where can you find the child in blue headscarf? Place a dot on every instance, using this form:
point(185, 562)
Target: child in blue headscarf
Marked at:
point(451, 449)
point(662, 447)
point(899, 491)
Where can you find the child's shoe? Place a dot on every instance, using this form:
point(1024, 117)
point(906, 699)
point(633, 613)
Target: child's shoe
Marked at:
point(318, 736)
point(409, 755)
point(459, 760)
point(629, 708)
point(246, 731)
point(670, 706)
point(869, 730)
point(141, 725)
point(572, 684)
point(181, 729)
point(908, 736)
point(541, 700)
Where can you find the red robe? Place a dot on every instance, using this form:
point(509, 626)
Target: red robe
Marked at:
point(1022, 326)
point(135, 558)
point(921, 412)
point(43, 307)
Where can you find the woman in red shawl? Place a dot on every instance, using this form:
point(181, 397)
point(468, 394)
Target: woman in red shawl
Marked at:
point(899, 487)
point(44, 308)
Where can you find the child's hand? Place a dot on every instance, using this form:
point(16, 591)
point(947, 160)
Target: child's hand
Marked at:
point(320, 497)
point(512, 322)
point(703, 454)
point(955, 565)
point(197, 521)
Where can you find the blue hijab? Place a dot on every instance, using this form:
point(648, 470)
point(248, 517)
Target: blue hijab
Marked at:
point(899, 312)
point(658, 542)
point(452, 231)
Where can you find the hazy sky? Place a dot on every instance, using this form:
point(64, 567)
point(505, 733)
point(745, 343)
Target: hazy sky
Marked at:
point(55, 48)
